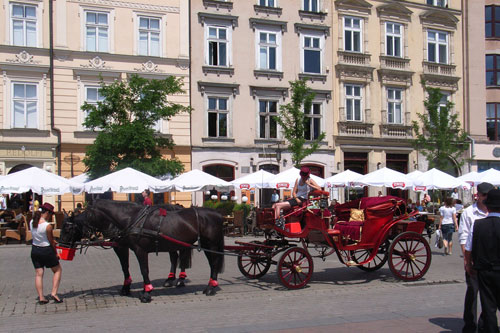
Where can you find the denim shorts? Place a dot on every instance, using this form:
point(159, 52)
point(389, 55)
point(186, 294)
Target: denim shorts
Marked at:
point(448, 230)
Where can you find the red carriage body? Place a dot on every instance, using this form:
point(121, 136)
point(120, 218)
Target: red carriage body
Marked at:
point(366, 233)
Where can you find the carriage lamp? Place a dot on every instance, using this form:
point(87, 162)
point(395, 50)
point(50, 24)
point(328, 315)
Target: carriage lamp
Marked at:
point(278, 154)
point(207, 192)
point(234, 198)
point(244, 199)
point(213, 197)
point(223, 197)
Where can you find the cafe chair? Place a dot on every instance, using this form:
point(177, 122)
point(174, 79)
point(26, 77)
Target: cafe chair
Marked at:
point(18, 233)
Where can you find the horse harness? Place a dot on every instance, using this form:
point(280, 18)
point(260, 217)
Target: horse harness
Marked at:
point(137, 228)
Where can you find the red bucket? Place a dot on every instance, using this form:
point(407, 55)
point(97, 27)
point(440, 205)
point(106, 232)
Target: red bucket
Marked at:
point(66, 253)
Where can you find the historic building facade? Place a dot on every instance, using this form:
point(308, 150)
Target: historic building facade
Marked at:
point(244, 53)
point(482, 82)
point(383, 50)
point(91, 40)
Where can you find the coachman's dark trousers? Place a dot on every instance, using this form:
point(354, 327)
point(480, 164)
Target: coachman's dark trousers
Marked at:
point(489, 289)
point(470, 305)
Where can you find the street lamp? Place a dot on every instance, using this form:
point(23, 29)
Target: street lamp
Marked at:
point(278, 154)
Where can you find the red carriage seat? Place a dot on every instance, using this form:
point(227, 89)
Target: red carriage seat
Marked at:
point(376, 212)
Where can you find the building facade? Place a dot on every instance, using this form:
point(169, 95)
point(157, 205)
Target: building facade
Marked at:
point(244, 53)
point(91, 40)
point(482, 82)
point(383, 50)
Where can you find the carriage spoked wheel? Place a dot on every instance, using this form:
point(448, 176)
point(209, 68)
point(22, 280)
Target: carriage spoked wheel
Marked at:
point(254, 264)
point(409, 256)
point(295, 268)
point(377, 262)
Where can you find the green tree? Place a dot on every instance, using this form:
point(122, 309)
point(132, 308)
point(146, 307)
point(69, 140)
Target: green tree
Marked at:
point(440, 137)
point(293, 122)
point(125, 122)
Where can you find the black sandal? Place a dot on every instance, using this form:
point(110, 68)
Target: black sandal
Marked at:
point(45, 301)
point(56, 299)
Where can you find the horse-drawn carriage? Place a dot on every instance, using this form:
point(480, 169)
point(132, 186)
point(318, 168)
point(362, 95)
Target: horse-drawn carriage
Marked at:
point(365, 233)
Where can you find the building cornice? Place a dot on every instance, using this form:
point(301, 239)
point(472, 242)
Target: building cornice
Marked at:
point(132, 5)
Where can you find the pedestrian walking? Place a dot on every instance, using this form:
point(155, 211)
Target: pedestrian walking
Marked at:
point(448, 224)
point(472, 213)
point(482, 257)
point(44, 252)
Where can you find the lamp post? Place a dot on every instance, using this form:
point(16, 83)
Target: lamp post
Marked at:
point(23, 148)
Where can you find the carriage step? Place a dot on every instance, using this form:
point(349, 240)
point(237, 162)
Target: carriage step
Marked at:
point(333, 232)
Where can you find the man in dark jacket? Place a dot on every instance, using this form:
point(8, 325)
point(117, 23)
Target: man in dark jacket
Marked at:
point(482, 257)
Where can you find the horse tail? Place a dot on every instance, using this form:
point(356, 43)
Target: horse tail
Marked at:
point(220, 246)
point(185, 256)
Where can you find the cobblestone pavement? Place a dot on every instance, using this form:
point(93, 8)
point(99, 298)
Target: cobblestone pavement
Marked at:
point(339, 298)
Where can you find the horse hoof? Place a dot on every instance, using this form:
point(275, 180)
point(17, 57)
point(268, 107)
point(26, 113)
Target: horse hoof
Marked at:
point(145, 297)
point(125, 291)
point(180, 283)
point(169, 283)
point(209, 291)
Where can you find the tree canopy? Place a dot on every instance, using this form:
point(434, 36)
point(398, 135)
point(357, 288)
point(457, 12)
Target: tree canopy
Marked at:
point(294, 123)
point(440, 137)
point(125, 122)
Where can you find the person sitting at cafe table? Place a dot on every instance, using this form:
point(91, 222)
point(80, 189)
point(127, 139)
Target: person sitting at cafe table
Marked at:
point(303, 185)
point(44, 252)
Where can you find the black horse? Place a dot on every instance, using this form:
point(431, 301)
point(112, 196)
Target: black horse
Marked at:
point(151, 229)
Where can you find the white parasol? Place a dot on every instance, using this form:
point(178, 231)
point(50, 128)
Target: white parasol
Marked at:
point(491, 176)
point(127, 180)
point(343, 179)
point(196, 180)
point(385, 177)
point(39, 181)
point(287, 178)
point(436, 179)
point(255, 180)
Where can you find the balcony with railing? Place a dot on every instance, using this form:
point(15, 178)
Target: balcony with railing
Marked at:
point(434, 68)
point(395, 130)
point(354, 59)
point(355, 128)
point(394, 63)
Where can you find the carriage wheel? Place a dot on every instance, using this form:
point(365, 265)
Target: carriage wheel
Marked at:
point(409, 256)
point(377, 262)
point(295, 268)
point(254, 264)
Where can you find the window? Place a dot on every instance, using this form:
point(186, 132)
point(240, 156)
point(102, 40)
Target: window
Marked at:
point(268, 112)
point(96, 31)
point(217, 117)
point(444, 101)
point(353, 102)
point(92, 96)
point(25, 105)
point(439, 3)
point(394, 103)
point(311, 6)
point(312, 54)
point(352, 34)
point(23, 25)
point(267, 50)
point(493, 121)
point(312, 122)
point(437, 47)
point(149, 36)
point(492, 16)
point(493, 70)
point(217, 46)
point(267, 3)
point(393, 32)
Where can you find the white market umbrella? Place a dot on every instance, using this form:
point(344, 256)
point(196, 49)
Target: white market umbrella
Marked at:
point(343, 179)
point(83, 178)
point(287, 178)
point(196, 180)
point(471, 178)
point(385, 177)
point(39, 181)
point(127, 180)
point(414, 174)
point(435, 179)
point(255, 180)
point(491, 176)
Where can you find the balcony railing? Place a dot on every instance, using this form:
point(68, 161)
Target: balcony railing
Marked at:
point(438, 69)
point(397, 131)
point(396, 63)
point(353, 128)
point(353, 58)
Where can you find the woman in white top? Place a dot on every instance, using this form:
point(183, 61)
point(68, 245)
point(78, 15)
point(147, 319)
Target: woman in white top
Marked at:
point(302, 187)
point(448, 224)
point(44, 253)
